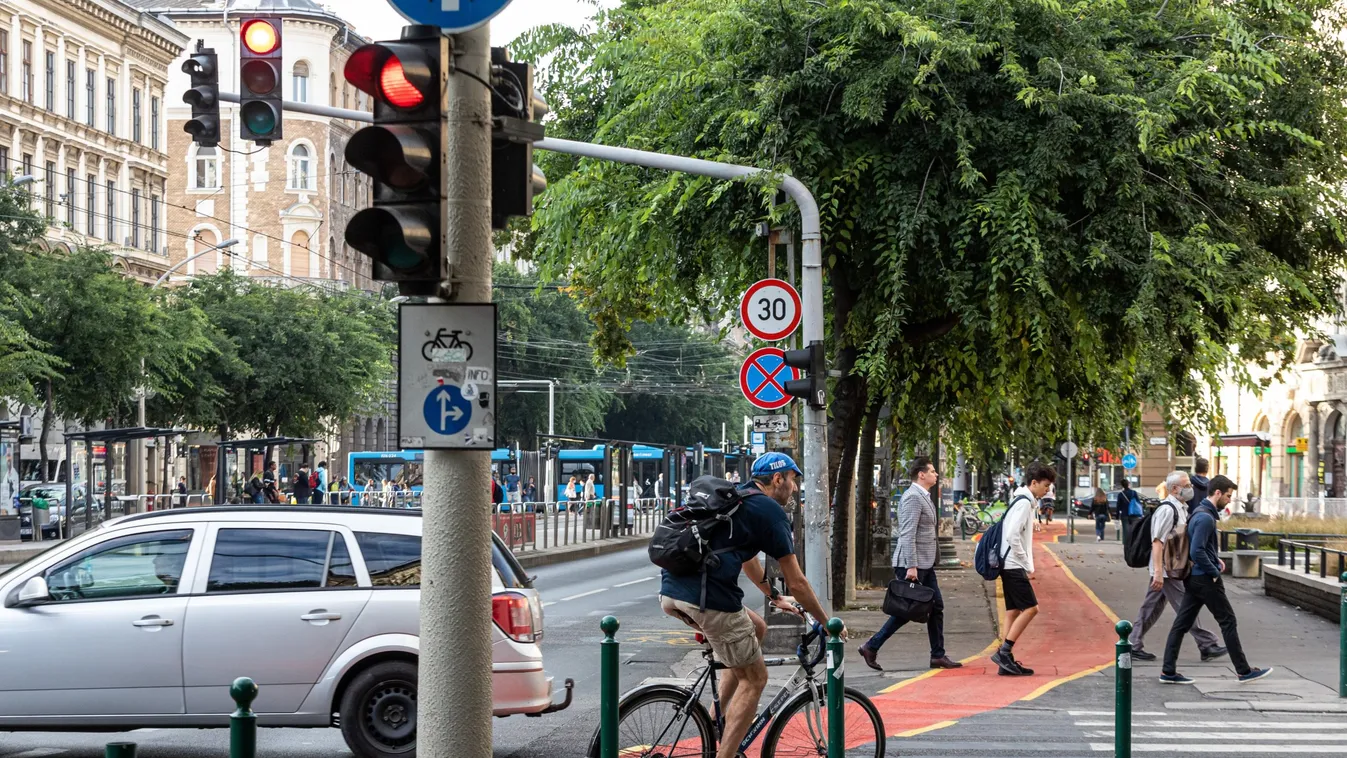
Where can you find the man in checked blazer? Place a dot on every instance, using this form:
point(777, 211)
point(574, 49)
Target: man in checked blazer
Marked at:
point(914, 560)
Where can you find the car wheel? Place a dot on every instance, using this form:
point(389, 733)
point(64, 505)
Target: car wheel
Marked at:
point(378, 711)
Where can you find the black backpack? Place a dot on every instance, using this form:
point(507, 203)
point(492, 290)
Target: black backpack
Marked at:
point(681, 544)
point(1137, 553)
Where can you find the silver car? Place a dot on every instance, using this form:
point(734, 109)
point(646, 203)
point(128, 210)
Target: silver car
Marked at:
point(319, 605)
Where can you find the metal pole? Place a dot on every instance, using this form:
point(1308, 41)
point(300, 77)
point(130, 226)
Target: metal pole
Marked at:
point(1122, 734)
point(455, 660)
point(1070, 488)
point(120, 750)
point(608, 688)
point(814, 489)
point(243, 722)
point(837, 726)
point(1342, 640)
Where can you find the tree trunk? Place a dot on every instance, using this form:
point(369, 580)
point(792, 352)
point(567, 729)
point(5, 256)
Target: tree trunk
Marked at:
point(865, 490)
point(46, 431)
point(842, 490)
point(848, 407)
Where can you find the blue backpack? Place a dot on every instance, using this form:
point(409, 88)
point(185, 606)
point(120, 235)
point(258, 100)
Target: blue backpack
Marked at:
point(987, 557)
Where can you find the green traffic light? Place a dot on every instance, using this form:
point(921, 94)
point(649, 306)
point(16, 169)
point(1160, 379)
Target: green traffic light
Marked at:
point(259, 118)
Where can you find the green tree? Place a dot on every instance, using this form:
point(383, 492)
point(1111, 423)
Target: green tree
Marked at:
point(285, 360)
point(24, 361)
point(1032, 210)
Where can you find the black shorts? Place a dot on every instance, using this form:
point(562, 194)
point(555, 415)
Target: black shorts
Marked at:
point(1019, 593)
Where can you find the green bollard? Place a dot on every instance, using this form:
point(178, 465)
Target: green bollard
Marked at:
point(608, 688)
point(837, 727)
point(1122, 739)
point(243, 722)
point(120, 750)
point(1342, 640)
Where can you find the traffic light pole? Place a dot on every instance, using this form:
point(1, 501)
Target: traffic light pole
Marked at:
point(453, 713)
point(815, 486)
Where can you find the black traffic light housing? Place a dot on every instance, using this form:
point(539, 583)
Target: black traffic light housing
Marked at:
point(203, 66)
point(813, 387)
point(515, 111)
point(261, 76)
point(404, 154)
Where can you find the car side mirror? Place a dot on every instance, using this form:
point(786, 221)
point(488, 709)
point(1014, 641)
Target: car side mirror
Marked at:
point(33, 592)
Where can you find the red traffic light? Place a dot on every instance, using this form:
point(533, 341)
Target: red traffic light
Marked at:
point(260, 37)
point(394, 86)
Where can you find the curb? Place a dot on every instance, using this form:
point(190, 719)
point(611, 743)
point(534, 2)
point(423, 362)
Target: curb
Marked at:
point(576, 552)
point(9, 555)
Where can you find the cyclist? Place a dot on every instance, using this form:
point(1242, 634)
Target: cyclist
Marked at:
point(734, 632)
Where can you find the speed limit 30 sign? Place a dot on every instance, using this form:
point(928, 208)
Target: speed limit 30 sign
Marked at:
point(770, 310)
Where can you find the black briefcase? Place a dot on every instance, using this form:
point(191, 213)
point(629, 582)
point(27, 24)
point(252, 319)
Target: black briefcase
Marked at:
point(909, 600)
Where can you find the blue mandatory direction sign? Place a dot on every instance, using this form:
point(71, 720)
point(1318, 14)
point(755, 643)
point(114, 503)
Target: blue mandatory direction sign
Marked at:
point(1129, 461)
point(449, 15)
point(446, 410)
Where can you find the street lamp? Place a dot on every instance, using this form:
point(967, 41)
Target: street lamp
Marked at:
point(21, 180)
point(139, 456)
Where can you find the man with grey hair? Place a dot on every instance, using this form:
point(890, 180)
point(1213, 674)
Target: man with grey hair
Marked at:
point(1168, 569)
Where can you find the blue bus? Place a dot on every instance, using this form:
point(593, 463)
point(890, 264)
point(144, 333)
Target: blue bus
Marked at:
point(406, 468)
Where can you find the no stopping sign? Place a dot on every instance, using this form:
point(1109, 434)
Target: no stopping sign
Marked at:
point(770, 310)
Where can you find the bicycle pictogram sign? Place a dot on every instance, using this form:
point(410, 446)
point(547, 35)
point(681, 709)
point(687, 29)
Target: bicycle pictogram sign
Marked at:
point(763, 378)
point(447, 347)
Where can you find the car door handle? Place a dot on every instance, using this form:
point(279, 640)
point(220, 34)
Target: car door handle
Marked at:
point(320, 616)
point(152, 621)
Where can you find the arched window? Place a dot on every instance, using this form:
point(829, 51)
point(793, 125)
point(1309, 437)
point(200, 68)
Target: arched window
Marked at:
point(299, 174)
point(299, 86)
point(205, 168)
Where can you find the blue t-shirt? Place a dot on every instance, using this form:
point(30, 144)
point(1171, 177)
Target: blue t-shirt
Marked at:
point(759, 526)
point(511, 482)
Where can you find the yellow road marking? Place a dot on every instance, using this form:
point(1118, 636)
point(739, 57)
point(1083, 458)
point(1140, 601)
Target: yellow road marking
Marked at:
point(1088, 592)
point(1055, 682)
point(925, 729)
point(905, 682)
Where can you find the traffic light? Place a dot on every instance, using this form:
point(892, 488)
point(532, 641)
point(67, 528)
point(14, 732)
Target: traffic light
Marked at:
point(260, 78)
point(403, 153)
point(814, 385)
point(204, 96)
point(515, 111)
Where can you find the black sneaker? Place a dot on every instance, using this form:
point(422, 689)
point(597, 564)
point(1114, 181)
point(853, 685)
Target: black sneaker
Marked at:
point(1024, 670)
point(1175, 678)
point(1006, 663)
point(1142, 655)
point(1254, 675)
point(1211, 654)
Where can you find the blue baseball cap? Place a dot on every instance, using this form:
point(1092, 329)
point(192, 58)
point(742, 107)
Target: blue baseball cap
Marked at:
point(774, 463)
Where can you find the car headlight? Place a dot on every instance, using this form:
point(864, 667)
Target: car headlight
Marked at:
point(55, 518)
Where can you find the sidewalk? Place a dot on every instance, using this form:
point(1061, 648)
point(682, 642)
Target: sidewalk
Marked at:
point(18, 552)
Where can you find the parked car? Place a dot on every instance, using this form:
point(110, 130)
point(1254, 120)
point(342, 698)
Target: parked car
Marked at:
point(1082, 505)
point(319, 605)
point(54, 494)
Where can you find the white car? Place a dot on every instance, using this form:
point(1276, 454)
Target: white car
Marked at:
point(319, 605)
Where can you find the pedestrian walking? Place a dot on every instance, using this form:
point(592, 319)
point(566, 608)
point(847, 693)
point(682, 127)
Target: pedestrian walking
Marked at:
point(914, 560)
point(1168, 568)
point(1205, 589)
point(1200, 483)
point(254, 489)
point(573, 490)
point(270, 491)
point(342, 490)
point(182, 492)
point(1099, 509)
point(301, 490)
point(590, 489)
point(318, 483)
point(1017, 565)
point(1129, 505)
point(373, 494)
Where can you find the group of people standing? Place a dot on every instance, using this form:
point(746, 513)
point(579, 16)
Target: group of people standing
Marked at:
point(310, 487)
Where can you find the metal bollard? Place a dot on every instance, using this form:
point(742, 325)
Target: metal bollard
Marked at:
point(608, 688)
point(1122, 714)
point(120, 750)
point(1342, 640)
point(837, 726)
point(243, 722)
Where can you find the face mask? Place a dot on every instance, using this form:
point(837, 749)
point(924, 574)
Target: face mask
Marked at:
point(1186, 494)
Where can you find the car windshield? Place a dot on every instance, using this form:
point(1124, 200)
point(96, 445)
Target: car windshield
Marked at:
point(44, 492)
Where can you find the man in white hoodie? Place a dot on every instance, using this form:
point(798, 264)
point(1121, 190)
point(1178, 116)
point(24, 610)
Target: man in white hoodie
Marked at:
point(1017, 564)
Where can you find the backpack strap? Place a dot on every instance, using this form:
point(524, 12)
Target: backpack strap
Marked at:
point(702, 606)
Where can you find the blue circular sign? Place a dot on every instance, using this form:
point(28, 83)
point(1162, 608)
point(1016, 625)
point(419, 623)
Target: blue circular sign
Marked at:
point(1129, 461)
point(446, 410)
point(449, 15)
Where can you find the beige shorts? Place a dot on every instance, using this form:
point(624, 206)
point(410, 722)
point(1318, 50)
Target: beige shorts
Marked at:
point(732, 635)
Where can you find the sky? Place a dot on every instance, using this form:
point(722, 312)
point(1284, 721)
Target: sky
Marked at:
point(377, 20)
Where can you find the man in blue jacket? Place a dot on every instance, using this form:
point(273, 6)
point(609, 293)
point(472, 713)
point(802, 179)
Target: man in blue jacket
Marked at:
point(1201, 484)
point(1204, 588)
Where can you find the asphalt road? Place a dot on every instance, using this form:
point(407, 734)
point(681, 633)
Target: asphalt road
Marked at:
point(576, 596)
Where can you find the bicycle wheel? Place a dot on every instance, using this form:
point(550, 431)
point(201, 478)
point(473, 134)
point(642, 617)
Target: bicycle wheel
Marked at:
point(802, 728)
point(649, 726)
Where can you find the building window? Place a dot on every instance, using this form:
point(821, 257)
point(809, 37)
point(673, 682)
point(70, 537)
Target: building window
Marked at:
point(206, 168)
point(89, 95)
point(26, 85)
point(49, 189)
point(154, 224)
point(135, 115)
point(112, 212)
point(4, 62)
point(51, 82)
point(112, 106)
point(28, 171)
point(298, 176)
point(299, 83)
point(135, 218)
point(4, 161)
point(70, 90)
point(90, 204)
point(70, 187)
point(154, 122)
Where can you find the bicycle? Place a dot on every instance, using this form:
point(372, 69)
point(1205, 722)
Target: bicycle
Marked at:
point(439, 343)
point(975, 516)
point(798, 714)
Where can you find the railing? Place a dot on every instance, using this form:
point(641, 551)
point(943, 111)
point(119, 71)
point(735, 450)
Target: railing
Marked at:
point(526, 527)
point(1315, 507)
point(1256, 536)
point(1290, 548)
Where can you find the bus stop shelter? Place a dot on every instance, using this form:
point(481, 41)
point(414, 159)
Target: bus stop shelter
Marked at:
point(233, 448)
point(81, 519)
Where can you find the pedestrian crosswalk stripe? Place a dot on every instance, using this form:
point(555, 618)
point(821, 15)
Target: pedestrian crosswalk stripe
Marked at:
point(1229, 724)
point(1226, 749)
point(1185, 735)
point(1110, 713)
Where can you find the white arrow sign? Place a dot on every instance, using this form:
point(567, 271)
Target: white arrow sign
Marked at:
point(447, 410)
